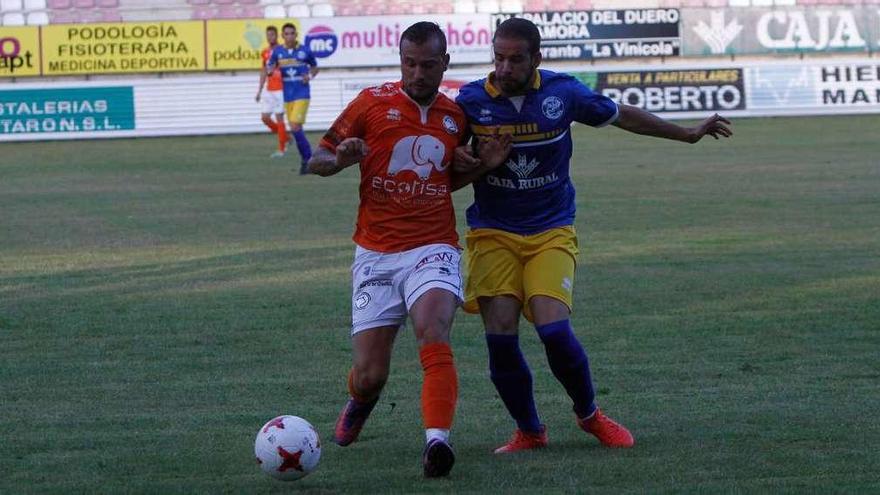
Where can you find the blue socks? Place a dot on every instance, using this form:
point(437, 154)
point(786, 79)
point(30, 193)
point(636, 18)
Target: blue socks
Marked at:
point(512, 378)
point(570, 365)
point(302, 144)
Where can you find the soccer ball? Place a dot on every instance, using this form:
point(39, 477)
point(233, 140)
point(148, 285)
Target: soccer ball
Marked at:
point(287, 448)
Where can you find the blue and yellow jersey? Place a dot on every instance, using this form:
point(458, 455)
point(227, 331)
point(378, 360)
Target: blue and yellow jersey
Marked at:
point(294, 63)
point(531, 192)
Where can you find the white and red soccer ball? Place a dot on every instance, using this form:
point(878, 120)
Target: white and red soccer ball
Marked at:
point(287, 448)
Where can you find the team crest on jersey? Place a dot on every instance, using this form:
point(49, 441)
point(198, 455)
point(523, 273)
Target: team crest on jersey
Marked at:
point(450, 125)
point(552, 107)
point(393, 114)
point(485, 116)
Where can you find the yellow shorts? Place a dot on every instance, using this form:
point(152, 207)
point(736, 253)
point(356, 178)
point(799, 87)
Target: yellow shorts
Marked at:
point(502, 263)
point(296, 111)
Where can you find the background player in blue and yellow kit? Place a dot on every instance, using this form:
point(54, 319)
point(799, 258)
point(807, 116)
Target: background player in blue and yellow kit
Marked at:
point(522, 246)
point(298, 66)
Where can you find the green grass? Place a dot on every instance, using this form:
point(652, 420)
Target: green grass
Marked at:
point(161, 298)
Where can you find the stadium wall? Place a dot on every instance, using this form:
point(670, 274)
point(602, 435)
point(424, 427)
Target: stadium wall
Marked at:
point(224, 104)
point(120, 79)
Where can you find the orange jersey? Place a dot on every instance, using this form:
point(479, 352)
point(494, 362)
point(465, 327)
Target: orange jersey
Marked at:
point(273, 82)
point(405, 187)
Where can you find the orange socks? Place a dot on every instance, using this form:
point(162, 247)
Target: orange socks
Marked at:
point(440, 386)
point(281, 129)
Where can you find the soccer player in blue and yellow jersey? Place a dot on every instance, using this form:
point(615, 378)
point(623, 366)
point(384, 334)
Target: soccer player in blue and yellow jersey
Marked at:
point(522, 246)
point(298, 66)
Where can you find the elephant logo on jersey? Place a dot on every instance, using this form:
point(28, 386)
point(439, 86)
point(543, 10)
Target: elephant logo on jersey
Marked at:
point(552, 107)
point(420, 154)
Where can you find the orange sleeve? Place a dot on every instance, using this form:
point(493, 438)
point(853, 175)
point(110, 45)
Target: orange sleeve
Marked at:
point(350, 123)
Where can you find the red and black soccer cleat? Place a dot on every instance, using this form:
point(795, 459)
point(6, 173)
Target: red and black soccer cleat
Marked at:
point(351, 420)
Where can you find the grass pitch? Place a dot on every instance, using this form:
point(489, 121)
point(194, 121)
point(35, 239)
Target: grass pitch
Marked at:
point(161, 298)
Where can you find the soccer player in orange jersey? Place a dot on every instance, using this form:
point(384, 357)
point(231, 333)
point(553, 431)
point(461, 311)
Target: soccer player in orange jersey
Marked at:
point(404, 136)
point(273, 101)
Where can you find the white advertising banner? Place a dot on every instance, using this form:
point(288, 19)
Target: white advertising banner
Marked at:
point(129, 107)
point(146, 106)
point(786, 30)
point(373, 41)
point(815, 88)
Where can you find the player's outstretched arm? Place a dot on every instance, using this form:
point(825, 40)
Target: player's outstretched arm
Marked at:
point(636, 120)
point(349, 152)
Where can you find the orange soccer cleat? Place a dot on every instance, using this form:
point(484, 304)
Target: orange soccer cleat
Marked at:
point(610, 433)
point(524, 440)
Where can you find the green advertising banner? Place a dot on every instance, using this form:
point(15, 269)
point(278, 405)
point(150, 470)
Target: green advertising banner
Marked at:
point(100, 109)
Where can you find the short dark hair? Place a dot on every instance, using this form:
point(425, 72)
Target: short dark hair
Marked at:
point(272, 28)
point(420, 32)
point(288, 25)
point(519, 28)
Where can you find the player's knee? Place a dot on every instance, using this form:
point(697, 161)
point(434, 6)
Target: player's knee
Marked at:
point(369, 380)
point(501, 322)
point(433, 331)
point(294, 127)
point(500, 314)
point(548, 309)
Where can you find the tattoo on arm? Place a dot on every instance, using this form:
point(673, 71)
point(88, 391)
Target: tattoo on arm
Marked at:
point(323, 163)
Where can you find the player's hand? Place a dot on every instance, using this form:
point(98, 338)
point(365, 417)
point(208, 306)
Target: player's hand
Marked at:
point(306, 78)
point(715, 126)
point(493, 150)
point(351, 151)
point(259, 94)
point(463, 161)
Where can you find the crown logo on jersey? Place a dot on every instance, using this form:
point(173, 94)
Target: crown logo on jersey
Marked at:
point(521, 167)
point(392, 114)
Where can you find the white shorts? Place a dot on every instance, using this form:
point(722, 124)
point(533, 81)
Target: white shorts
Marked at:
point(386, 285)
point(272, 101)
